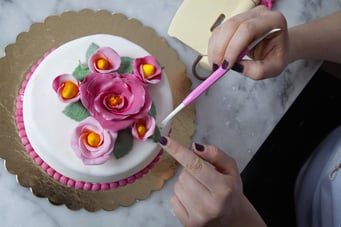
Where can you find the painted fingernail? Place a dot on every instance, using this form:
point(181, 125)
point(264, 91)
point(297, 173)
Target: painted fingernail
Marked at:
point(199, 147)
point(238, 67)
point(225, 64)
point(214, 67)
point(163, 141)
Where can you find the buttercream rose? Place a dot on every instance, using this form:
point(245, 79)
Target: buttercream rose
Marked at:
point(147, 69)
point(67, 88)
point(143, 128)
point(115, 100)
point(91, 143)
point(104, 60)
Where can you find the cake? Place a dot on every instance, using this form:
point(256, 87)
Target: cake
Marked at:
point(87, 92)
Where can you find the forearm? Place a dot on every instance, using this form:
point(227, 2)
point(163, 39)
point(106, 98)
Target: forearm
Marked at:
point(319, 39)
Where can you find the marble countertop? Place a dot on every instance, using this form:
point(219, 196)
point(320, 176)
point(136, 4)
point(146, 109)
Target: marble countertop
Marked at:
point(241, 113)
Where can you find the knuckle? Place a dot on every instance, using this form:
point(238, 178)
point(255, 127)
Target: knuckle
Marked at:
point(195, 164)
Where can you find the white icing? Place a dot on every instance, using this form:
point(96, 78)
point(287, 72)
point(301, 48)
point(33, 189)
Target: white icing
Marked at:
point(49, 130)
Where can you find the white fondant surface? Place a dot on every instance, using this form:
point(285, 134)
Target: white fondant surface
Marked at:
point(49, 130)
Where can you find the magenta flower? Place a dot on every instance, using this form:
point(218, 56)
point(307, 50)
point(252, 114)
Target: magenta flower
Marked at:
point(143, 128)
point(91, 143)
point(147, 69)
point(67, 88)
point(115, 100)
point(104, 60)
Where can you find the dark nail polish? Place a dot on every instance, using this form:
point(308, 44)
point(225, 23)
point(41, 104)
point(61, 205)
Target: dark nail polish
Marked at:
point(199, 147)
point(225, 64)
point(238, 67)
point(214, 67)
point(163, 141)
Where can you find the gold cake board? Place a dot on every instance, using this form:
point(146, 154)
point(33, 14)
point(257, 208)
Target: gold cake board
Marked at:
point(53, 32)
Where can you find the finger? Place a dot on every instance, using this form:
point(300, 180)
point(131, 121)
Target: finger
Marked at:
point(223, 163)
point(179, 210)
point(198, 167)
point(249, 31)
point(222, 34)
point(191, 192)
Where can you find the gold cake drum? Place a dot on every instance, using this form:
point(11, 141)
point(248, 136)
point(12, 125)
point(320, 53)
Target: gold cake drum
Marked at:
point(55, 31)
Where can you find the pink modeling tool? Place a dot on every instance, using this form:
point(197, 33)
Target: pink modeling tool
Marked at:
point(211, 80)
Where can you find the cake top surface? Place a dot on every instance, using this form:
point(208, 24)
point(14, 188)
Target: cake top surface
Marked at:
point(49, 130)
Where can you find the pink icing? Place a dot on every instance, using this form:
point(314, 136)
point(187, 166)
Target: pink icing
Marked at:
point(52, 172)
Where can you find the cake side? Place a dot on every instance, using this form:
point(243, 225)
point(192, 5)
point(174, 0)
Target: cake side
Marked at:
point(49, 131)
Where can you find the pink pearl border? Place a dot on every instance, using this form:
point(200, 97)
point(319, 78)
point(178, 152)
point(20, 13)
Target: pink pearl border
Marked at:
point(88, 186)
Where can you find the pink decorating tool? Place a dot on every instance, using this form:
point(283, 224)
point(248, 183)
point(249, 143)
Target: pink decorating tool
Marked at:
point(211, 80)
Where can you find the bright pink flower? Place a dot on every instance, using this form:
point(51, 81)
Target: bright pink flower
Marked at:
point(67, 88)
point(91, 143)
point(115, 100)
point(104, 60)
point(143, 128)
point(147, 69)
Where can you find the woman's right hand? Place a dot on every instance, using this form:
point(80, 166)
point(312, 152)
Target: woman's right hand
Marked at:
point(268, 58)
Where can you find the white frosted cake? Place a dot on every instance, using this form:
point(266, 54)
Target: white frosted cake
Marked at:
point(88, 112)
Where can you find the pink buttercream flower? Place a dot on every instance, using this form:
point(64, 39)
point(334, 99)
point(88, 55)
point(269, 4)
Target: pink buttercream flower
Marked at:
point(91, 143)
point(143, 128)
point(104, 60)
point(67, 88)
point(115, 100)
point(147, 69)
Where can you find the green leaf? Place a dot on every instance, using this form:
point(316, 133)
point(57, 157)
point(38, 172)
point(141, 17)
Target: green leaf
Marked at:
point(126, 65)
point(156, 136)
point(80, 72)
point(91, 50)
point(76, 111)
point(152, 111)
point(124, 143)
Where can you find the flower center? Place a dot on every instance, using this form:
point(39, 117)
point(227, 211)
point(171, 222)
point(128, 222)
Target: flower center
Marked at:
point(141, 129)
point(148, 70)
point(93, 139)
point(103, 64)
point(115, 101)
point(69, 90)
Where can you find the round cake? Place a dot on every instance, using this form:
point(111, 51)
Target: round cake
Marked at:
point(88, 112)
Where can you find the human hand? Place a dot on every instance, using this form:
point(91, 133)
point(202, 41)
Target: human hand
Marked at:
point(269, 58)
point(209, 189)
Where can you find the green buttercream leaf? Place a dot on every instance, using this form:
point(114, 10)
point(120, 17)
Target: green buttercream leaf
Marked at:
point(91, 50)
point(126, 65)
point(76, 111)
point(156, 136)
point(80, 72)
point(152, 111)
point(124, 143)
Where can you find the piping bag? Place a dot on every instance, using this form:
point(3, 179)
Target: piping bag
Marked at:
point(211, 80)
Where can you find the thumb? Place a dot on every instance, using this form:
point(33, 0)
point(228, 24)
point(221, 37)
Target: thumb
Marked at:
point(260, 69)
point(223, 163)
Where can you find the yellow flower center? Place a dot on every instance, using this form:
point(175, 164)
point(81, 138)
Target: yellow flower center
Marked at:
point(115, 100)
point(93, 139)
point(148, 70)
point(141, 129)
point(69, 90)
point(103, 64)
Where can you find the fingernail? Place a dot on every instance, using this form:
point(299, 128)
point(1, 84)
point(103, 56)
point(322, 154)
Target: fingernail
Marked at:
point(238, 67)
point(199, 147)
point(163, 141)
point(225, 64)
point(214, 67)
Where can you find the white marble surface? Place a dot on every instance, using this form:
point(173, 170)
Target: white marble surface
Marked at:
point(241, 113)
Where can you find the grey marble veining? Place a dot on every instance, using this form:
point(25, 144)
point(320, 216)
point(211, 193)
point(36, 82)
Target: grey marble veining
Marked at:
point(236, 114)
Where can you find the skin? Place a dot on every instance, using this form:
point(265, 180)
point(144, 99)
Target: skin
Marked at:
point(271, 56)
point(209, 189)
